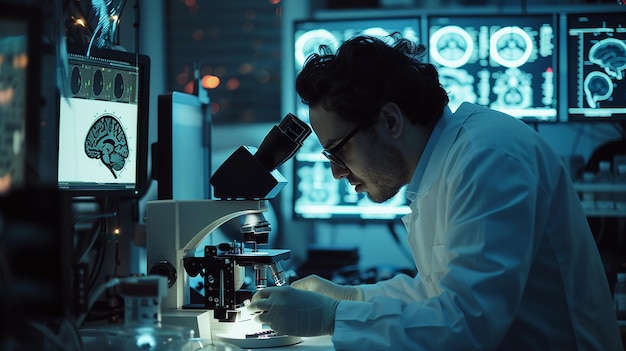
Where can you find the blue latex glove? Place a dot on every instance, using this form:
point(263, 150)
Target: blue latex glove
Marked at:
point(294, 312)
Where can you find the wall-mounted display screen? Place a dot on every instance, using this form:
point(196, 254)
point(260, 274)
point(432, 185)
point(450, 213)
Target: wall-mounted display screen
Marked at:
point(596, 67)
point(317, 195)
point(103, 124)
point(505, 62)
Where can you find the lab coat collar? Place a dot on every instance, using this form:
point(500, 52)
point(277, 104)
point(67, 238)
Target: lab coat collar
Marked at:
point(431, 162)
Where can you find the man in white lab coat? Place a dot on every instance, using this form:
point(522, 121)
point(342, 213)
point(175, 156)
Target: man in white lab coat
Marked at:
point(505, 257)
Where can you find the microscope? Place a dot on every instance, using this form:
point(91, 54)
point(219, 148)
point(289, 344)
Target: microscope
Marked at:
point(176, 228)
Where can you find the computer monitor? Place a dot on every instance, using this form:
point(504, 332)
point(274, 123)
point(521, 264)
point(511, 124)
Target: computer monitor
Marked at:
point(596, 67)
point(20, 35)
point(505, 62)
point(316, 194)
point(103, 124)
point(181, 158)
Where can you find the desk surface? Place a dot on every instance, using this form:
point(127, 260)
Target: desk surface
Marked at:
point(104, 339)
point(321, 343)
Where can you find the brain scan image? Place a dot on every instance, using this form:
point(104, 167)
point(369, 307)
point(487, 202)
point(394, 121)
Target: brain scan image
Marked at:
point(118, 86)
point(510, 46)
point(98, 83)
point(513, 88)
point(459, 84)
point(596, 61)
point(610, 54)
point(317, 185)
point(97, 141)
point(451, 46)
point(106, 141)
point(309, 42)
point(503, 62)
point(76, 80)
point(598, 87)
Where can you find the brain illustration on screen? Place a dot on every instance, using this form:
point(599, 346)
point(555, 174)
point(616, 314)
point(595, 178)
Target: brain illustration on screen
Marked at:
point(107, 142)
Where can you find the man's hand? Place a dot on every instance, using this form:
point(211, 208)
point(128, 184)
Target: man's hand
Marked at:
point(328, 288)
point(294, 312)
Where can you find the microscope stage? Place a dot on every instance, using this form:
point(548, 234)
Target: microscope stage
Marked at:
point(260, 257)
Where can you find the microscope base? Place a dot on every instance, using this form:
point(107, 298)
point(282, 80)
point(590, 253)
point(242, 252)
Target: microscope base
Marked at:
point(259, 342)
point(199, 321)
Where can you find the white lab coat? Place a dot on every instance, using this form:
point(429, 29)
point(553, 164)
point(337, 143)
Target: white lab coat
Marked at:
point(505, 256)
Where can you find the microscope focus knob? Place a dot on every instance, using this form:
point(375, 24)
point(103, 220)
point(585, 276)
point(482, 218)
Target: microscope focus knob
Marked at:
point(165, 269)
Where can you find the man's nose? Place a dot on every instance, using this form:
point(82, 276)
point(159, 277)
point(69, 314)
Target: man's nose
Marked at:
point(338, 171)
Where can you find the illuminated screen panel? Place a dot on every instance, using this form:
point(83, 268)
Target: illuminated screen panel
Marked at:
point(317, 195)
point(507, 63)
point(13, 49)
point(102, 139)
point(19, 87)
point(596, 59)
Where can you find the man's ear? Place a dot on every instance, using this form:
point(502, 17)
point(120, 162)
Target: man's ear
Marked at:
point(394, 119)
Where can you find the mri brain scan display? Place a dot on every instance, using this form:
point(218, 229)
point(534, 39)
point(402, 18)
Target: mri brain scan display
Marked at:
point(509, 68)
point(98, 124)
point(106, 141)
point(596, 67)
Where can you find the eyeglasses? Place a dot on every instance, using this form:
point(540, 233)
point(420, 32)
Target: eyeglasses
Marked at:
point(331, 153)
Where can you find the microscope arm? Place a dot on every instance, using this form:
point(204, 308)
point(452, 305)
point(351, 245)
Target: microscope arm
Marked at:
point(220, 212)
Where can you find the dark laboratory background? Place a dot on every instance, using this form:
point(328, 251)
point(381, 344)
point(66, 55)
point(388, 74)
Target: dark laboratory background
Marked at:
point(72, 219)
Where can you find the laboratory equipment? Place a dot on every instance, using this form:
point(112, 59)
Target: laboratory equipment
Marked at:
point(142, 328)
point(604, 176)
point(175, 228)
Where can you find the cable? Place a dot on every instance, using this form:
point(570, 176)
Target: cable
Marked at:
point(96, 233)
point(49, 335)
point(97, 267)
point(67, 338)
point(116, 233)
point(94, 297)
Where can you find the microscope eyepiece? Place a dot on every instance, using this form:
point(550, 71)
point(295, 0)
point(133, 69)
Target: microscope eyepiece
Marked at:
point(250, 173)
point(282, 142)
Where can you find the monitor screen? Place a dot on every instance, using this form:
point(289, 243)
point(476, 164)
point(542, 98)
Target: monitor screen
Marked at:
point(19, 89)
point(505, 62)
point(316, 194)
point(103, 124)
point(181, 157)
point(596, 63)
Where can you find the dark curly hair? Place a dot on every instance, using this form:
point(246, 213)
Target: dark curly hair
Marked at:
point(367, 73)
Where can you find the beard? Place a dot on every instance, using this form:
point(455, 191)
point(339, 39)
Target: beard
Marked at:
point(387, 174)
